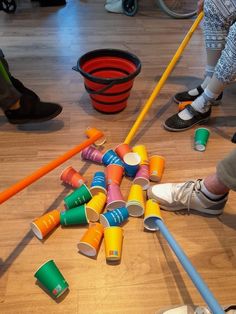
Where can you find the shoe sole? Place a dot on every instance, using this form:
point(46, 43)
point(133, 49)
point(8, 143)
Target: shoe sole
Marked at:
point(25, 121)
point(203, 211)
point(180, 130)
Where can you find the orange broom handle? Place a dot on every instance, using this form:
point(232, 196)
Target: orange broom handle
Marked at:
point(162, 80)
point(17, 187)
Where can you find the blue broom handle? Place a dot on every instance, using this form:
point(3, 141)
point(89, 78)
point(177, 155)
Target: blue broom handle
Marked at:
point(193, 274)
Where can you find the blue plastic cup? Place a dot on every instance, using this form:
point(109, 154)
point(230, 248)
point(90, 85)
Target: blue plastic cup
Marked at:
point(98, 183)
point(131, 161)
point(114, 217)
point(110, 157)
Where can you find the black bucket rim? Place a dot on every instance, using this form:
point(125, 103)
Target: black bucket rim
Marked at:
point(108, 52)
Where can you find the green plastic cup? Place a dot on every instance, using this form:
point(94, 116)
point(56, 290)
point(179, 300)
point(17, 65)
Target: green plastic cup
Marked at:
point(78, 197)
point(74, 216)
point(51, 278)
point(200, 139)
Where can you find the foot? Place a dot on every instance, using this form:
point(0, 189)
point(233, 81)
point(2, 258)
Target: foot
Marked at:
point(30, 112)
point(185, 96)
point(114, 7)
point(176, 124)
point(187, 195)
point(24, 90)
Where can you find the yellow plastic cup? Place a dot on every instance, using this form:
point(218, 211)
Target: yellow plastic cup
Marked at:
point(113, 239)
point(142, 152)
point(152, 212)
point(95, 206)
point(135, 203)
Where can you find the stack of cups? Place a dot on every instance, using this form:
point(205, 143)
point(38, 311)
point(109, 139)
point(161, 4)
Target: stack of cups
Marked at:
point(95, 206)
point(123, 149)
point(45, 224)
point(135, 203)
point(72, 177)
point(152, 213)
point(115, 217)
point(92, 154)
point(131, 162)
point(98, 183)
point(91, 240)
point(113, 240)
point(142, 177)
point(156, 168)
point(78, 197)
point(74, 216)
point(51, 279)
point(114, 197)
point(110, 157)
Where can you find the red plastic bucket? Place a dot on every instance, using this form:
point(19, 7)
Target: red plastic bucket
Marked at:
point(108, 77)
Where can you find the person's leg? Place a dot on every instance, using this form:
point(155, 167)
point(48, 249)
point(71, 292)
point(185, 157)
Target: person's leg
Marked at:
point(8, 94)
point(225, 72)
point(20, 104)
point(208, 195)
point(219, 16)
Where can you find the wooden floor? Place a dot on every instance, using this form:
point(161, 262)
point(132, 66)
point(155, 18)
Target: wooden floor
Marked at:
point(42, 45)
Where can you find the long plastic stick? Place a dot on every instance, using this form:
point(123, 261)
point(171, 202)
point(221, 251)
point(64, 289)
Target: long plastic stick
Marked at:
point(162, 80)
point(20, 185)
point(193, 274)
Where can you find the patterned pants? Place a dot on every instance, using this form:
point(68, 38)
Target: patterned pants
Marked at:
point(220, 34)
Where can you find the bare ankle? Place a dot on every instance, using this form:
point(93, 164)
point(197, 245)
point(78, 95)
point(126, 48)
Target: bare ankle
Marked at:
point(214, 185)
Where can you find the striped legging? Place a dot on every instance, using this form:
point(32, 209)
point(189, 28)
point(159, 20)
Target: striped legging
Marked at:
point(220, 34)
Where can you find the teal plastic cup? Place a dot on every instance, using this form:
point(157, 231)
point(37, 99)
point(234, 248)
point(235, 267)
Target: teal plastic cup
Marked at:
point(79, 197)
point(201, 137)
point(51, 278)
point(74, 216)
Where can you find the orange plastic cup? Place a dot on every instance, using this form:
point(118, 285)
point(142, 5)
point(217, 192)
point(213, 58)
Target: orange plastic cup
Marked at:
point(183, 104)
point(90, 242)
point(72, 177)
point(122, 150)
point(114, 174)
point(142, 152)
point(152, 212)
point(43, 225)
point(90, 132)
point(156, 167)
point(95, 206)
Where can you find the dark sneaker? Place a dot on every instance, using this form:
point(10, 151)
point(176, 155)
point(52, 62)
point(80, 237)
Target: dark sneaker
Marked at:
point(176, 124)
point(24, 90)
point(184, 96)
point(30, 112)
point(186, 195)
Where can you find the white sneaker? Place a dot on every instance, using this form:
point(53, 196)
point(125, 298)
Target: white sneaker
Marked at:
point(187, 195)
point(114, 7)
point(111, 1)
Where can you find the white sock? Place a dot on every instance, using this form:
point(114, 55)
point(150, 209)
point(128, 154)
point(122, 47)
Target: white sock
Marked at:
point(209, 71)
point(205, 191)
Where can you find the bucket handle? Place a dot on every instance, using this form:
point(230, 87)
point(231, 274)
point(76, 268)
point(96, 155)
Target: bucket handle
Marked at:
point(100, 91)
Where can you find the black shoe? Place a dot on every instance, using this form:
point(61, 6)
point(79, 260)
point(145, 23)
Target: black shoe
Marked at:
point(30, 112)
point(176, 124)
point(184, 96)
point(24, 90)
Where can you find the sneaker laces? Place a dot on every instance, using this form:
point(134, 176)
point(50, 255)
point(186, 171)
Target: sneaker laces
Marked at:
point(183, 194)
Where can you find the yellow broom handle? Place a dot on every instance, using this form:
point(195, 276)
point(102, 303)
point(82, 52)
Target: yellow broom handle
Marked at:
point(163, 78)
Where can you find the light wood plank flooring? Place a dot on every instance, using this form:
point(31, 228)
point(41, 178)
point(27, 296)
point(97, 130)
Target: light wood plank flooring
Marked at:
point(42, 45)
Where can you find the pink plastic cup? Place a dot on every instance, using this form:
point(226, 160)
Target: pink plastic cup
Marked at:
point(114, 197)
point(142, 177)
